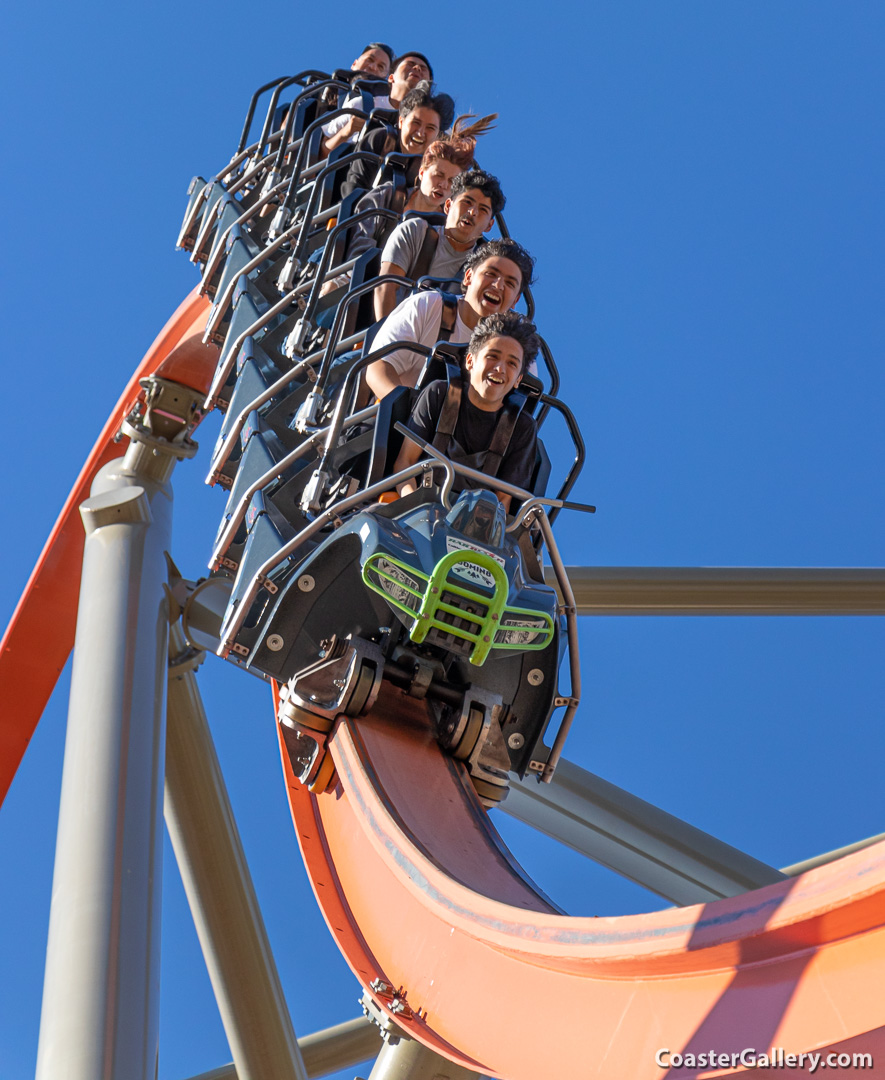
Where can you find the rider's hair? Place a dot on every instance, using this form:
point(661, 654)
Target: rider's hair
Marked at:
point(395, 63)
point(379, 45)
point(507, 324)
point(423, 97)
point(459, 144)
point(485, 182)
point(505, 248)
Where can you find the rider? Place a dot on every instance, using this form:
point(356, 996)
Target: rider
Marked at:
point(415, 248)
point(446, 156)
point(423, 114)
point(471, 421)
point(495, 274)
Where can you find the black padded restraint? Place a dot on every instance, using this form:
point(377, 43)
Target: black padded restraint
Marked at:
point(449, 318)
point(488, 461)
point(425, 255)
point(448, 417)
point(503, 434)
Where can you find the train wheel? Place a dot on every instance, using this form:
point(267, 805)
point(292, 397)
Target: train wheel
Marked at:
point(360, 697)
point(489, 794)
point(294, 716)
point(464, 747)
point(325, 776)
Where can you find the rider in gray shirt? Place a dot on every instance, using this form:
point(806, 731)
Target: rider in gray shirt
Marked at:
point(476, 198)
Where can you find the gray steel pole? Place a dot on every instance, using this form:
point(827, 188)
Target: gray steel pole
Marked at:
point(219, 887)
point(726, 590)
point(100, 994)
point(410, 1060)
point(635, 838)
point(324, 1052)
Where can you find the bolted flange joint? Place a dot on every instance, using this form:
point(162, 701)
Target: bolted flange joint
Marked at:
point(163, 419)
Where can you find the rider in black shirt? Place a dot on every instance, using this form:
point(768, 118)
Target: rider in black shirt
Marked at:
point(472, 423)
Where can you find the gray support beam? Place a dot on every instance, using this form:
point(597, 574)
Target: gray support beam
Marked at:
point(219, 887)
point(634, 838)
point(324, 1052)
point(830, 856)
point(100, 1013)
point(682, 590)
point(410, 1060)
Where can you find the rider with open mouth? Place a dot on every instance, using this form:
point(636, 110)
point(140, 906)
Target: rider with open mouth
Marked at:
point(501, 348)
point(475, 200)
point(495, 275)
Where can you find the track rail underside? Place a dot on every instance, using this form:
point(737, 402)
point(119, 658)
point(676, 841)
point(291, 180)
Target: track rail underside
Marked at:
point(420, 894)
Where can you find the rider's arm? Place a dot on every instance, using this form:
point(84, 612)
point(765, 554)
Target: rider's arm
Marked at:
point(385, 295)
point(382, 378)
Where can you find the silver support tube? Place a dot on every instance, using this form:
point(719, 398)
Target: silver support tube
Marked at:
point(411, 1060)
point(730, 590)
point(324, 1052)
point(219, 887)
point(100, 1013)
point(568, 609)
point(634, 838)
point(830, 856)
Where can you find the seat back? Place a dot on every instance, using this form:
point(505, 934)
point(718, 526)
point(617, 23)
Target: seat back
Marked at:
point(394, 408)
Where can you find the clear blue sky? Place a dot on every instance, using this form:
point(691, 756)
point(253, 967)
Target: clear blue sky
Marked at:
point(702, 186)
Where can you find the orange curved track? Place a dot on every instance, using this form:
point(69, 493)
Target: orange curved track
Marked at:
point(419, 892)
point(40, 634)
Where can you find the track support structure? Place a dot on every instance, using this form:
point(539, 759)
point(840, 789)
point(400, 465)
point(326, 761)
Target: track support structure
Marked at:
point(219, 886)
point(410, 1060)
point(100, 1013)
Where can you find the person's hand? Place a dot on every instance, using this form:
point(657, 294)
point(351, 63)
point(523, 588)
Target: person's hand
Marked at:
point(352, 125)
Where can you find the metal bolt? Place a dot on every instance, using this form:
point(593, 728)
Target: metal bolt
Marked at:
point(275, 643)
point(535, 676)
point(306, 583)
point(516, 741)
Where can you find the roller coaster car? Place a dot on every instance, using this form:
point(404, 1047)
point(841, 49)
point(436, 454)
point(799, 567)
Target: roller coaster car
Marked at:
point(445, 604)
point(335, 594)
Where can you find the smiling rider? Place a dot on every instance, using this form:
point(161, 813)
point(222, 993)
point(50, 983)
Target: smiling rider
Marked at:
point(415, 248)
point(495, 274)
point(472, 422)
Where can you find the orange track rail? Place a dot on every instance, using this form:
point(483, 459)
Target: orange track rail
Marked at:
point(40, 635)
point(419, 891)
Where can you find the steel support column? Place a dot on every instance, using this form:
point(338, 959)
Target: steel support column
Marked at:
point(219, 887)
point(410, 1060)
point(635, 838)
point(726, 590)
point(324, 1052)
point(100, 995)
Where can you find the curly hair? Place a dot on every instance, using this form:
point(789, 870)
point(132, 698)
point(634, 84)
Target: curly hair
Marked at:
point(508, 324)
point(485, 182)
point(505, 248)
point(422, 97)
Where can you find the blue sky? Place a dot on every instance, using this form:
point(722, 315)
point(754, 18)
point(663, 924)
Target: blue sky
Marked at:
point(702, 186)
